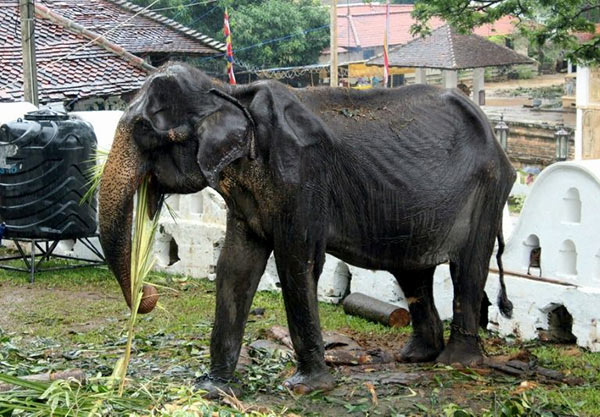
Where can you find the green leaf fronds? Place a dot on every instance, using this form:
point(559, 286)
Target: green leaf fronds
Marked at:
point(141, 264)
point(94, 173)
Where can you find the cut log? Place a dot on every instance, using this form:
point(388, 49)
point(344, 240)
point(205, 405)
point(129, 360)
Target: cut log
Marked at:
point(76, 374)
point(361, 305)
point(280, 334)
point(342, 356)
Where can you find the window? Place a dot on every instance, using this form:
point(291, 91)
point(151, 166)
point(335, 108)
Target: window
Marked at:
point(532, 254)
point(567, 258)
point(571, 206)
point(368, 53)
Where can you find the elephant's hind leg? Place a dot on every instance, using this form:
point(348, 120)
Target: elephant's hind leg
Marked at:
point(469, 272)
point(427, 340)
point(464, 344)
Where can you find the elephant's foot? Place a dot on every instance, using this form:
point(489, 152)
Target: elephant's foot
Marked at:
point(304, 383)
point(417, 349)
point(463, 349)
point(216, 387)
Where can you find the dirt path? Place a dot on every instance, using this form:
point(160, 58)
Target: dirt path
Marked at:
point(23, 302)
point(540, 81)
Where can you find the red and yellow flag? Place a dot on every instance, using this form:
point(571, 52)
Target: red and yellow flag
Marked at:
point(229, 53)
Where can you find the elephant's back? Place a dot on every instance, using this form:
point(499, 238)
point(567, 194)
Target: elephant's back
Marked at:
point(407, 139)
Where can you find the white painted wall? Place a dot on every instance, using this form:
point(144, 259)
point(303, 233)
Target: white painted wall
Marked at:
point(104, 124)
point(13, 111)
point(562, 213)
point(582, 100)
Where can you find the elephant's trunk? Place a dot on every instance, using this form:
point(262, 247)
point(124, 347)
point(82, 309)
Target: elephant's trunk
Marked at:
point(123, 173)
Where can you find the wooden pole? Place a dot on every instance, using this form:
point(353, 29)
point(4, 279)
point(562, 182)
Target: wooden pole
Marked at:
point(333, 45)
point(30, 87)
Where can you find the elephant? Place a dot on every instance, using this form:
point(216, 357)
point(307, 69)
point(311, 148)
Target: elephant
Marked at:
point(400, 180)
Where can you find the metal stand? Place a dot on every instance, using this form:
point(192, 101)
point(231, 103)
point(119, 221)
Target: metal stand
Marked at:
point(47, 247)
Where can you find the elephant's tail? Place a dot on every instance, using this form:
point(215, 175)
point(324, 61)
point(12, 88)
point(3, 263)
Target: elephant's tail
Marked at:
point(504, 304)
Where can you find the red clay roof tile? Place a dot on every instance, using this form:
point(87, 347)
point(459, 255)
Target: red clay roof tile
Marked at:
point(63, 71)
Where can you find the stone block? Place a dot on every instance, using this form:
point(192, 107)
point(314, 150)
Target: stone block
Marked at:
point(334, 283)
point(188, 247)
point(377, 284)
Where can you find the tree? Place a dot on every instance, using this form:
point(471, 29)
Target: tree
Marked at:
point(290, 33)
point(541, 21)
point(266, 33)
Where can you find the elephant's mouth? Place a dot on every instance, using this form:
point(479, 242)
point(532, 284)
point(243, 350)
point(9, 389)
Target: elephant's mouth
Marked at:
point(154, 196)
point(175, 170)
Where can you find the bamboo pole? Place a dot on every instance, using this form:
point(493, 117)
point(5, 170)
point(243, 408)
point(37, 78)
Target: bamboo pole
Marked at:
point(333, 45)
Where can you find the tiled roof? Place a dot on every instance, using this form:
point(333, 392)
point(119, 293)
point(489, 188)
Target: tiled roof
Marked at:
point(69, 65)
point(587, 36)
point(364, 25)
point(447, 49)
point(137, 30)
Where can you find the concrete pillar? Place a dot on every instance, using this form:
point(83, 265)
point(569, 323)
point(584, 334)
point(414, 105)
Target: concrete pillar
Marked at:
point(478, 80)
point(449, 78)
point(420, 75)
point(582, 101)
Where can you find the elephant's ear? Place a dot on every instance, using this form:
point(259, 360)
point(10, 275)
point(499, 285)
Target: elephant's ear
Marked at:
point(289, 125)
point(223, 136)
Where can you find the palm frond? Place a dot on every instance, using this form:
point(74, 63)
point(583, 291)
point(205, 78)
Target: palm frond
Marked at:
point(141, 264)
point(94, 173)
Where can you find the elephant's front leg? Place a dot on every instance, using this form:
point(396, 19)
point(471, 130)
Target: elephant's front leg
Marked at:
point(241, 264)
point(299, 265)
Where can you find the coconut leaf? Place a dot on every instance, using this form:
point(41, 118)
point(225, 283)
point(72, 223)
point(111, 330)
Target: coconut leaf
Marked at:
point(94, 174)
point(141, 264)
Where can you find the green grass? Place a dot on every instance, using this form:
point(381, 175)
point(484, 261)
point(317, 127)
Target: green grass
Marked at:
point(78, 318)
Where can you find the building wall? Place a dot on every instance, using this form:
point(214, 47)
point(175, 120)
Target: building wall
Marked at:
point(533, 144)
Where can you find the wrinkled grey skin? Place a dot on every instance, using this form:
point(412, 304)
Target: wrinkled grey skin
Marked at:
point(398, 180)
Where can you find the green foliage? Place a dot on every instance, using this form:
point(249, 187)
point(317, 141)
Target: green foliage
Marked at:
point(523, 73)
point(254, 22)
point(543, 21)
point(531, 405)
point(498, 39)
point(515, 203)
point(271, 19)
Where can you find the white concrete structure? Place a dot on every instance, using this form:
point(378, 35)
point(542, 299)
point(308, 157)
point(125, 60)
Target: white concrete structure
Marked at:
point(190, 234)
point(104, 124)
point(449, 78)
point(420, 75)
point(582, 101)
point(562, 216)
point(13, 111)
point(478, 82)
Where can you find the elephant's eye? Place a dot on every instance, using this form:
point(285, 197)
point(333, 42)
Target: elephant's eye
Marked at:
point(163, 119)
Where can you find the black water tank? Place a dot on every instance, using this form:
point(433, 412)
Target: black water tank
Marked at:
point(44, 172)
